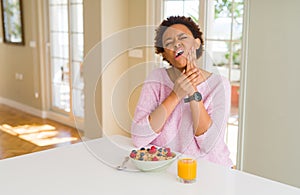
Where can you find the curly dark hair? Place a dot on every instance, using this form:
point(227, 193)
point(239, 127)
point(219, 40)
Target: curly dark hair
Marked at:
point(188, 22)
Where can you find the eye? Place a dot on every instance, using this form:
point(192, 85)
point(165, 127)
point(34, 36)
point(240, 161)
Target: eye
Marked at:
point(168, 44)
point(183, 37)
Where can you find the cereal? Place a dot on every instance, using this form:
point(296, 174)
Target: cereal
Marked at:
point(152, 154)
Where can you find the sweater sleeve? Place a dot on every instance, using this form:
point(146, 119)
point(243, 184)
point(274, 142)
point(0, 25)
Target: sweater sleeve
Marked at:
point(141, 132)
point(218, 109)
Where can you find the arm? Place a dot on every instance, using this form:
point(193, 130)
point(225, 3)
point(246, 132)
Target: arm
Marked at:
point(160, 115)
point(153, 110)
point(201, 119)
point(141, 131)
point(218, 108)
point(151, 114)
point(200, 116)
point(209, 118)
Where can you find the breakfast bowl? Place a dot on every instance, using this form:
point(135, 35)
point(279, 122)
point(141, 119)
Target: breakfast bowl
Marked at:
point(152, 159)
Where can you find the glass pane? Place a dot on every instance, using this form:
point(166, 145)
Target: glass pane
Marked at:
point(218, 20)
point(172, 8)
point(238, 19)
point(218, 51)
point(77, 91)
point(237, 29)
point(58, 2)
point(236, 60)
point(235, 75)
point(60, 45)
point(59, 18)
point(77, 45)
point(236, 56)
point(78, 102)
point(223, 70)
point(60, 35)
point(77, 75)
point(219, 28)
point(61, 96)
point(59, 70)
point(222, 8)
point(220, 23)
point(191, 9)
point(185, 7)
point(76, 18)
point(76, 1)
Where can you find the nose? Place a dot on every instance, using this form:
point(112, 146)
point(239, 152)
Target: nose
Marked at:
point(177, 45)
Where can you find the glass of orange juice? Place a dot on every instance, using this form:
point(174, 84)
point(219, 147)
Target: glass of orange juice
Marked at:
point(187, 170)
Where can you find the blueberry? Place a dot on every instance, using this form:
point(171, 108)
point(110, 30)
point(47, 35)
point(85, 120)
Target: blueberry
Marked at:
point(142, 154)
point(142, 148)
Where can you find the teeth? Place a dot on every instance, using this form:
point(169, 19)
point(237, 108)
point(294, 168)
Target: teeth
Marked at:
point(179, 52)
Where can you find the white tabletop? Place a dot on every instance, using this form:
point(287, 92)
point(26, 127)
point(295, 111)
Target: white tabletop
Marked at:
point(89, 168)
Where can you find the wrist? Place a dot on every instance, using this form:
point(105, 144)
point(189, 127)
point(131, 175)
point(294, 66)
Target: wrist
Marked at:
point(193, 91)
point(174, 96)
point(196, 96)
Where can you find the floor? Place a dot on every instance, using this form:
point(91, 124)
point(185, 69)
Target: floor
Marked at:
point(23, 142)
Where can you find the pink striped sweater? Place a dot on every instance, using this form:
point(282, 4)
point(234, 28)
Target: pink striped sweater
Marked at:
point(177, 132)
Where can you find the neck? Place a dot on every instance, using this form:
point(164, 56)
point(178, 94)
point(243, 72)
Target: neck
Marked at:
point(177, 71)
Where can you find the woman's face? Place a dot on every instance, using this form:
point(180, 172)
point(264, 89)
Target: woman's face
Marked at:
point(177, 42)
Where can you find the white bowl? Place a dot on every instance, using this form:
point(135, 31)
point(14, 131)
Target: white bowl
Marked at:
point(153, 165)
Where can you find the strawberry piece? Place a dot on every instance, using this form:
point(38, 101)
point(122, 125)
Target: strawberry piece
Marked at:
point(154, 158)
point(132, 155)
point(169, 154)
point(153, 148)
point(152, 151)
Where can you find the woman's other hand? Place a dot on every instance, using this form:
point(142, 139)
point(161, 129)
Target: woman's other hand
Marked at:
point(183, 86)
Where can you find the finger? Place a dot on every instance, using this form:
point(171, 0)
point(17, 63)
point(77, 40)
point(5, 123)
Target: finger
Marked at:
point(192, 71)
point(188, 61)
point(182, 76)
point(195, 54)
point(193, 57)
point(194, 76)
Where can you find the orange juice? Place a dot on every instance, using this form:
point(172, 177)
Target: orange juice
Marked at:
point(187, 170)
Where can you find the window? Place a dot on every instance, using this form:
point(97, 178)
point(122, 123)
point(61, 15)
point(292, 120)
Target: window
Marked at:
point(66, 51)
point(222, 22)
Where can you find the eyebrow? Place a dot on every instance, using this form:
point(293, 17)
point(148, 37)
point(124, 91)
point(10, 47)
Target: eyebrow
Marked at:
point(169, 38)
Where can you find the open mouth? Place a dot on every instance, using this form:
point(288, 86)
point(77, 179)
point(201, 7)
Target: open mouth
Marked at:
point(179, 53)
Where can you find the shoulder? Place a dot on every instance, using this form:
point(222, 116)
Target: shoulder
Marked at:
point(157, 71)
point(157, 74)
point(215, 85)
point(219, 80)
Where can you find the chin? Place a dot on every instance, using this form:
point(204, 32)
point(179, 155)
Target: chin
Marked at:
point(180, 68)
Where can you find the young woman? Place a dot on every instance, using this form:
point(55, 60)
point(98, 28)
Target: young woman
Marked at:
point(183, 107)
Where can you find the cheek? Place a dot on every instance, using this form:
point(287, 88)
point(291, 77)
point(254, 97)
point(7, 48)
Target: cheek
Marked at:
point(190, 42)
point(168, 52)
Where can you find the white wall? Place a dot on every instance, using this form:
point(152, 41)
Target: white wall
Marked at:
point(272, 115)
point(122, 27)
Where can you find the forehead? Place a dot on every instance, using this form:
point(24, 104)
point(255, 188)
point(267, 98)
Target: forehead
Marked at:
point(175, 30)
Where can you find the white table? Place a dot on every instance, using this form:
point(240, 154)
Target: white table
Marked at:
point(89, 168)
